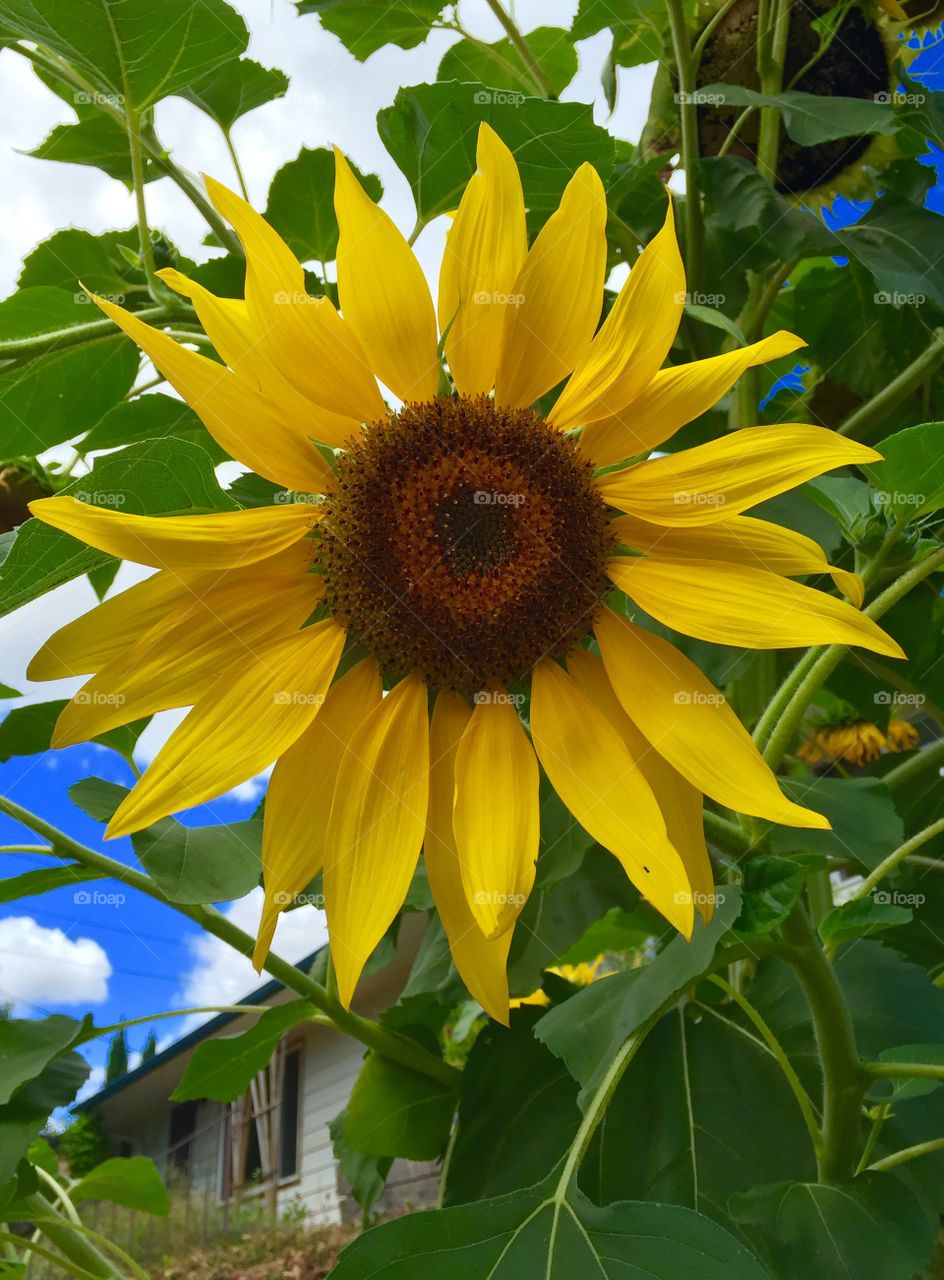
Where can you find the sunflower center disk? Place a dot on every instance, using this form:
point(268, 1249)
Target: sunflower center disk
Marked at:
point(464, 542)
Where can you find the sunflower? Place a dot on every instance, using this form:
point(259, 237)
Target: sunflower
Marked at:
point(858, 742)
point(465, 553)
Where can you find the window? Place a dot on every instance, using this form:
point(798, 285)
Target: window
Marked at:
point(183, 1123)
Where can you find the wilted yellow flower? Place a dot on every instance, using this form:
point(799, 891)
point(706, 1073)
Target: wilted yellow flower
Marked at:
point(463, 548)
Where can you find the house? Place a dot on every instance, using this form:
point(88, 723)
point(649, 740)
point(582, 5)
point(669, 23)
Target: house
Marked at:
point(271, 1148)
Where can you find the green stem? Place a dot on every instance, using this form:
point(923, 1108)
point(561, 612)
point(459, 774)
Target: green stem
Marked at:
point(931, 759)
point(708, 30)
point(874, 412)
point(908, 1153)
point(777, 1049)
point(908, 1070)
point(61, 1260)
point(96, 1032)
point(818, 664)
point(844, 1082)
point(237, 167)
point(71, 1244)
point(73, 335)
point(727, 836)
point(144, 231)
point(819, 893)
point(401, 1049)
point(771, 52)
point(688, 115)
point(878, 1120)
point(519, 42)
point(888, 865)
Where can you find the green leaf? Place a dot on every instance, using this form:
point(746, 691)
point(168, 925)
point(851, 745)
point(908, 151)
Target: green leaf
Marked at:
point(770, 889)
point(517, 1116)
point(500, 65)
point(805, 116)
point(131, 1181)
point(365, 1175)
point(301, 204)
point(217, 863)
point(910, 479)
point(898, 242)
point(873, 1229)
point(590, 1028)
point(24, 731)
point(28, 1045)
point(32, 883)
point(913, 1086)
point(27, 1112)
point(865, 825)
point(73, 255)
point(7, 692)
point(617, 931)
point(222, 1069)
point(234, 89)
point(100, 142)
point(156, 477)
point(431, 131)
point(743, 210)
point(394, 1111)
point(140, 49)
point(860, 918)
point(364, 26)
point(531, 1233)
point(151, 417)
point(64, 391)
point(640, 28)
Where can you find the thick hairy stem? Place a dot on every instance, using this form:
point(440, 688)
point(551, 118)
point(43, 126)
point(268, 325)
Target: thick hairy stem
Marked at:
point(844, 1081)
point(688, 114)
point(371, 1034)
point(771, 52)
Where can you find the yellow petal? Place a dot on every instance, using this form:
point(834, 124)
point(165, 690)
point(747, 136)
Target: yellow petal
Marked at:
point(238, 417)
point(633, 341)
point(220, 541)
point(298, 799)
point(689, 723)
point(256, 709)
point(560, 288)
point(676, 396)
point(376, 827)
point(496, 818)
point(749, 608)
point(248, 350)
point(311, 345)
point(180, 657)
point(718, 480)
point(679, 801)
point(480, 961)
point(383, 292)
point(742, 540)
point(590, 767)
point(485, 249)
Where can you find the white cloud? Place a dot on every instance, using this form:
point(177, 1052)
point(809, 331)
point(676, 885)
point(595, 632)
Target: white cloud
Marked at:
point(219, 975)
point(40, 966)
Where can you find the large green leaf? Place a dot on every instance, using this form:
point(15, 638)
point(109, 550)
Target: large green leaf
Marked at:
point(28, 1111)
point(394, 1111)
point(32, 883)
point(151, 417)
point(910, 477)
point(807, 118)
point(198, 865)
point(901, 244)
point(28, 1045)
point(137, 49)
point(364, 26)
point(501, 66)
point(588, 1030)
point(100, 142)
point(157, 477)
point(865, 824)
point(62, 392)
point(535, 1233)
point(234, 89)
point(27, 730)
point(860, 918)
point(301, 204)
point(131, 1181)
point(222, 1069)
point(431, 132)
point(73, 255)
point(365, 1175)
point(874, 1229)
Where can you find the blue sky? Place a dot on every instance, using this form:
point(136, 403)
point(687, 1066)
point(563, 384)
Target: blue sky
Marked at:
point(133, 957)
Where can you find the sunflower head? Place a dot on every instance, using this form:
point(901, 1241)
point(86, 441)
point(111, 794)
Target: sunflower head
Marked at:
point(447, 611)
